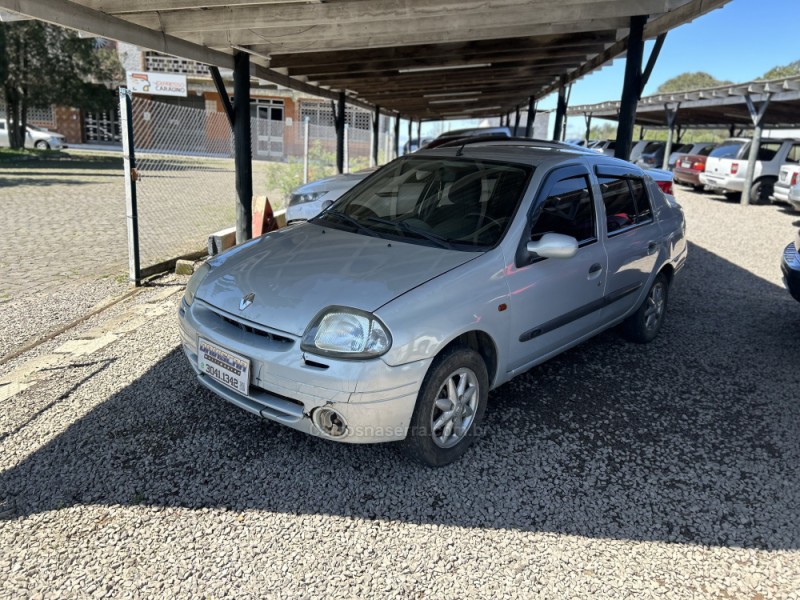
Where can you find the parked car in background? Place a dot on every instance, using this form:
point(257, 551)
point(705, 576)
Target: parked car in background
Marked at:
point(698, 149)
point(787, 188)
point(726, 166)
point(651, 155)
point(306, 201)
point(606, 147)
point(415, 144)
point(37, 137)
point(688, 166)
point(790, 267)
point(391, 315)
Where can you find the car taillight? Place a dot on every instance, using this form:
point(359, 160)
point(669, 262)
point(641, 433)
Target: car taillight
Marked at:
point(666, 186)
point(734, 168)
point(698, 165)
point(794, 178)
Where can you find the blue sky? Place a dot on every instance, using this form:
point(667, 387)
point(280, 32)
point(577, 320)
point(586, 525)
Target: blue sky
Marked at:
point(739, 42)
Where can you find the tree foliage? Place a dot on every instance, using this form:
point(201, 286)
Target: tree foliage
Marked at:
point(41, 65)
point(689, 81)
point(789, 70)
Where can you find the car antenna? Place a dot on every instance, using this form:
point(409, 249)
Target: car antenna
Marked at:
point(460, 151)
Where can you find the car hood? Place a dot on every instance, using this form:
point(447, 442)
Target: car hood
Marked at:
point(296, 272)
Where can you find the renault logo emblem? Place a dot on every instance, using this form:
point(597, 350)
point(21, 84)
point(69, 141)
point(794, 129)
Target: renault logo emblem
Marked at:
point(246, 301)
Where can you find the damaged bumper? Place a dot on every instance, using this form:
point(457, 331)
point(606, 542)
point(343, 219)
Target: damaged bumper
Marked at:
point(354, 401)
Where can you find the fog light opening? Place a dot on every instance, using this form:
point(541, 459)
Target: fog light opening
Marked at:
point(330, 422)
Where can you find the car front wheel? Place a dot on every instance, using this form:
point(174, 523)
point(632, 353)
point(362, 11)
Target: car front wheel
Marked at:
point(643, 325)
point(450, 408)
point(42, 145)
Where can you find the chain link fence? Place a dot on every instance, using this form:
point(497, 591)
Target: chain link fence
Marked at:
point(185, 174)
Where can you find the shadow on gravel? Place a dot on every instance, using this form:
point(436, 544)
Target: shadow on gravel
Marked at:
point(690, 439)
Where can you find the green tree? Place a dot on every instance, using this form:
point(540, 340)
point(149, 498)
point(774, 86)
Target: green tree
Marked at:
point(41, 65)
point(784, 71)
point(689, 81)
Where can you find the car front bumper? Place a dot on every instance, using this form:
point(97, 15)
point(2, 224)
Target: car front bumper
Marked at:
point(288, 385)
point(790, 266)
point(722, 182)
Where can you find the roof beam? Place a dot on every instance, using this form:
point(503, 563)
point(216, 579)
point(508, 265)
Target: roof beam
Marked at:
point(75, 16)
point(335, 37)
point(394, 12)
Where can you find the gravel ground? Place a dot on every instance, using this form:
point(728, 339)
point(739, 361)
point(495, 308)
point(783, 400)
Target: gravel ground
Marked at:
point(670, 470)
point(35, 314)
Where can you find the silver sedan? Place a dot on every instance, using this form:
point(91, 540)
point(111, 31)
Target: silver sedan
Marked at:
point(391, 315)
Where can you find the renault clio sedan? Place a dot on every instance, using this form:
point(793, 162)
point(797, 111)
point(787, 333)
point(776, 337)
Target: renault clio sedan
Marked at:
point(448, 272)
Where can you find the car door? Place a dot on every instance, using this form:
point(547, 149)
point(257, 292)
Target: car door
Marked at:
point(632, 237)
point(555, 301)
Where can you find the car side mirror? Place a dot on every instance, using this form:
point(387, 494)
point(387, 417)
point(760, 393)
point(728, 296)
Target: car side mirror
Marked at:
point(326, 205)
point(554, 245)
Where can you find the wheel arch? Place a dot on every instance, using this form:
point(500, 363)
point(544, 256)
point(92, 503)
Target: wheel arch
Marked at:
point(482, 343)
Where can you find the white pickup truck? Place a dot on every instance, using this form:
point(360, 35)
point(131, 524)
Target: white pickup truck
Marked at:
point(726, 166)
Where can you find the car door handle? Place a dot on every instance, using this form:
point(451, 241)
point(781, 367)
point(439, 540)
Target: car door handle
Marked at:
point(595, 268)
point(652, 247)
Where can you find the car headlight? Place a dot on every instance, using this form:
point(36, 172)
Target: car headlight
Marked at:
point(194, 283)
point(304, 198)
point(346, 333)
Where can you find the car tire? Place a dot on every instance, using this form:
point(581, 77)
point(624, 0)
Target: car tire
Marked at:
point(459, 372)
point(760, 191)
point(643, 326)
point(41, 145)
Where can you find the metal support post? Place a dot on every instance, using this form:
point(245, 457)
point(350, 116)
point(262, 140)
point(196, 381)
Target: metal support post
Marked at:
point(531, 117)
point(376, 135)
point(243, 150)
point(672, 116)
point(757, 115)
point(632, 88)
point(129, 162)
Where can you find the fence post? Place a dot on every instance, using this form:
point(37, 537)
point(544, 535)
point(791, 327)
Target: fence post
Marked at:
point(305, 150)
point(346, 148)
point(129, 165)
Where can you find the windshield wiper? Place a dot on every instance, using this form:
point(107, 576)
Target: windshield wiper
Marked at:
point(403, 226)
point(349, 220)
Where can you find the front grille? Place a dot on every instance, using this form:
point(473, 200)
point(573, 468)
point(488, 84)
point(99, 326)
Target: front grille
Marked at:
point(246, 326)
point(255, 330)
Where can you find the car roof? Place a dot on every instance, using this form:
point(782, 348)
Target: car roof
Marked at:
point(525, 151)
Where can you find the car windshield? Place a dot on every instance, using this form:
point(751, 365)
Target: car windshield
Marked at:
point(652, 147)
point(455, 203)
point(727, 150)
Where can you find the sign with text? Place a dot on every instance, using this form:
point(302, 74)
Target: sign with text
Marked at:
point(157, 84)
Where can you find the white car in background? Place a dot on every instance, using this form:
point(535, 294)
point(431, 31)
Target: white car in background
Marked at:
point(727, 164)
point(787, 188)
point(37, 137)
point(306, 201)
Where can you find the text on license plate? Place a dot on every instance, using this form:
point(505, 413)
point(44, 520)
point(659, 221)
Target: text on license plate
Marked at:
point(229, 368)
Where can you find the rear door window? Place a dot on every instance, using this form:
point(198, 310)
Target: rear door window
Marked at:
point(768, 150)
point(794, 154)
point(626, 202)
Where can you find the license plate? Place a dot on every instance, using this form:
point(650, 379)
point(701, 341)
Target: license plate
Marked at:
point(784, 177)
point(230, 369)
point(686, 164)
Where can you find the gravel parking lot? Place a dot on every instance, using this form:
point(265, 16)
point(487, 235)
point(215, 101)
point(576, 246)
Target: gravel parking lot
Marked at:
point(667, 470)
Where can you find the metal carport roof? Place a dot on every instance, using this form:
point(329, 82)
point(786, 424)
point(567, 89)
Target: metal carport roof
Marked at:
point(426, 59)
point(716, 107)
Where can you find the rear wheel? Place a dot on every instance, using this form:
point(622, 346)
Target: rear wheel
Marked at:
point(760, 191)
point(643, 325)
point(450, 408)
